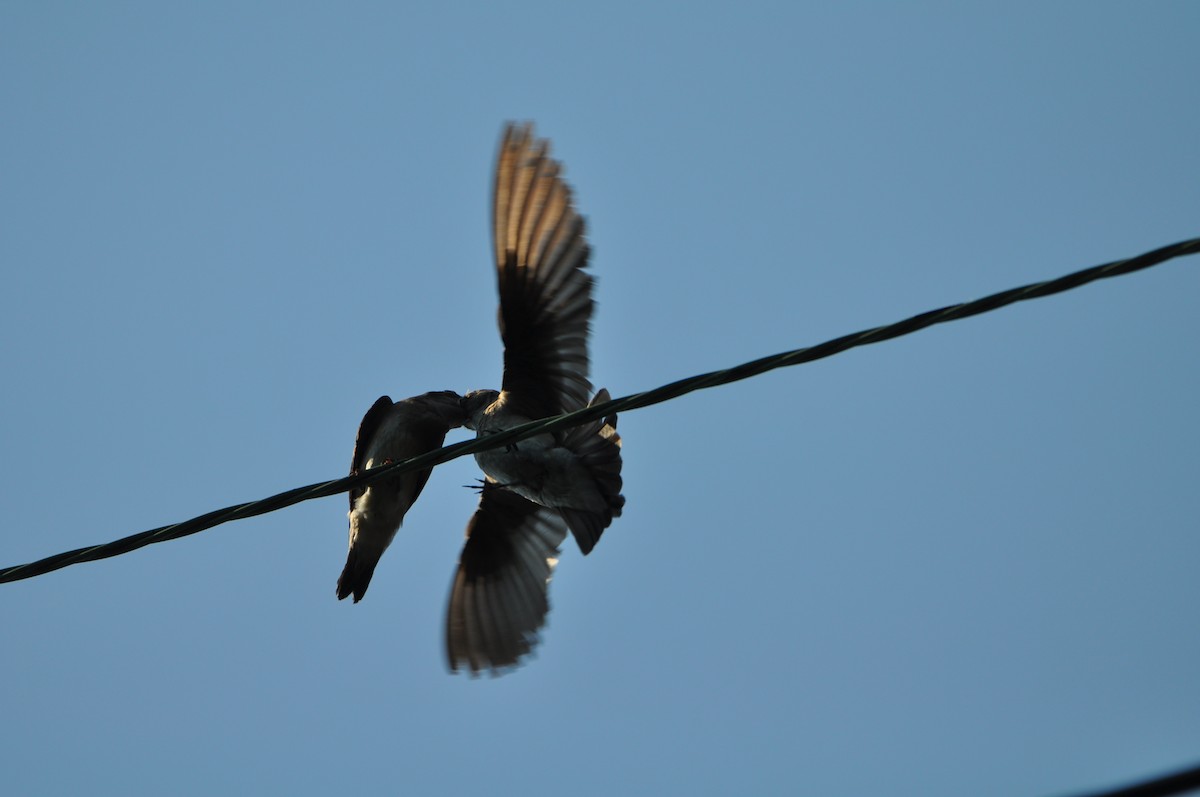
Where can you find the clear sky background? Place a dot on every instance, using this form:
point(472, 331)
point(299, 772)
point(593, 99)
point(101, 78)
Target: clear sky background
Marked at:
point(962, 562)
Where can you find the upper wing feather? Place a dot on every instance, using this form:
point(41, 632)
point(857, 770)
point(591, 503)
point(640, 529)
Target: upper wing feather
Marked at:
point(545, 292)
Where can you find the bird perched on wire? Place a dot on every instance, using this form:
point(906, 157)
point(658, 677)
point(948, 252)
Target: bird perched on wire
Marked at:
point(391, 432)
point(535, 490)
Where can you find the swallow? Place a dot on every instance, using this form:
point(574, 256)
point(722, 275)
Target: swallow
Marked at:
point(391, 432)
point(537, 488)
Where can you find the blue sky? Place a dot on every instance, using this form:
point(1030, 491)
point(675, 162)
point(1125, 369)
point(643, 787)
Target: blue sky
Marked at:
point(962, 562)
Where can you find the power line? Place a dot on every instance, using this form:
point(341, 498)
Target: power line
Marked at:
point(636, 401)
point(1176, 783)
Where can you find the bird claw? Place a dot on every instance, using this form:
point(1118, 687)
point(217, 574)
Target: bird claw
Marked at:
point(484, 484)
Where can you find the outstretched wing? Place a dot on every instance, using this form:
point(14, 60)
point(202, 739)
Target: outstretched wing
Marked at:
point(545, 294)
point(498, 601)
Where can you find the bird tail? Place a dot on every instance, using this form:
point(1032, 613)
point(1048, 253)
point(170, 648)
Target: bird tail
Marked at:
point(598, 447)
point(356, 576)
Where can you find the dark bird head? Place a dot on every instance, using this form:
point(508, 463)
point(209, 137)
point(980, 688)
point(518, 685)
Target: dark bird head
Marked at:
point(440, 407)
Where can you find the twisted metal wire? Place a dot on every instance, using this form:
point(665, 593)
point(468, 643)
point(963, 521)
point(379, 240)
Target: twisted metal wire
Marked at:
point(1183, 782)
point(624, 404)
